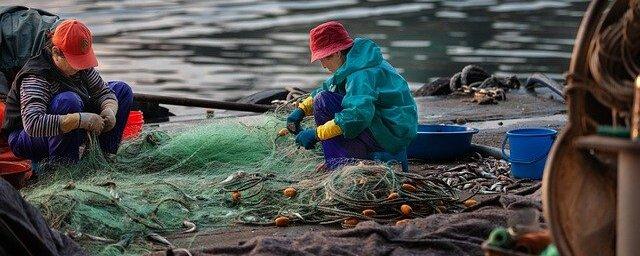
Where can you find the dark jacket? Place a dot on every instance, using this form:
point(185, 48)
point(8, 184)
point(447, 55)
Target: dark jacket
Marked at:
point(23, 33)
point(42, 66)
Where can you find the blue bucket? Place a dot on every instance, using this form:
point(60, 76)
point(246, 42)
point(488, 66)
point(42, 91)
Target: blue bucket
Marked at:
point(529, 151)
point(438, 142)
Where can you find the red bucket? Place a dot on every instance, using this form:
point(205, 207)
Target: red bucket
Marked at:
point(16, 173)
point(12, 168)
point(134, 125)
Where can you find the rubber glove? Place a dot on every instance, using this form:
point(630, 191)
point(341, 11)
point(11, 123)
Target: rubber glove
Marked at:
point(84, 120)
point(108, 114)
point(307, 138)
point(294, 120)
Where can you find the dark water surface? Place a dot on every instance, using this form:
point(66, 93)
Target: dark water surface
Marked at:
point(227, 49)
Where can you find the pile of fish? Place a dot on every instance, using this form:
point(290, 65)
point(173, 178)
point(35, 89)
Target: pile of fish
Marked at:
point(484, 175)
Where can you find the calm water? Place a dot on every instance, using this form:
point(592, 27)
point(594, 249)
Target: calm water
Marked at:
point(227, 49)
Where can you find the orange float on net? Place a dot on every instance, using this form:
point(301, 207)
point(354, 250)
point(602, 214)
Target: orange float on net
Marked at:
point(369, 213)
point(470, 202)
point(236, 196)
point(282, 221)
point(351, 222)
point(408, 187)
point(406, 209)
point(393, 196)
point(290, 192)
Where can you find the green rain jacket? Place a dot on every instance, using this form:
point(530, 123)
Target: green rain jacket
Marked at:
point(375, 97)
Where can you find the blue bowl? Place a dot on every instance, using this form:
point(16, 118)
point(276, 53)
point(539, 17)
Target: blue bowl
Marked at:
point(436, 142)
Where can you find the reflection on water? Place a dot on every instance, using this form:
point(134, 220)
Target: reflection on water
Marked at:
point(226, 49)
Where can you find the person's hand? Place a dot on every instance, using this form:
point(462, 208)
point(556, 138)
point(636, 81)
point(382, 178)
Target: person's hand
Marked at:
point(109, 118)
point(91, 122)
point(307, 138)
point(294, 120)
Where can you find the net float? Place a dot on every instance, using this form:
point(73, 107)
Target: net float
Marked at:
point(408, 187)
point(470, 202)
point(236, 196)
point(282, 221)
point(369, 213)
point(393, 196)
point(406, 209)
point(290, 192)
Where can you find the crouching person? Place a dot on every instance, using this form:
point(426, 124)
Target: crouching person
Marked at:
point(58, 97)
point(364, 110)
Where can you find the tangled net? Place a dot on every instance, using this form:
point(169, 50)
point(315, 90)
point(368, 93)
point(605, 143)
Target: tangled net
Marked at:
point(221, 174)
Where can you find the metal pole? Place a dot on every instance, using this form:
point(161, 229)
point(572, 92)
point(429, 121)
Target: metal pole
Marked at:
point(628, 237)
point(190, 102)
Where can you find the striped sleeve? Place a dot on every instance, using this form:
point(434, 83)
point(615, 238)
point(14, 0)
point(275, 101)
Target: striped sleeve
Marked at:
point(35, 98)
point(98, 89)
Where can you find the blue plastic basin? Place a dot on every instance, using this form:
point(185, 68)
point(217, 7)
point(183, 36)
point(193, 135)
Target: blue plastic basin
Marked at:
point(435, 142)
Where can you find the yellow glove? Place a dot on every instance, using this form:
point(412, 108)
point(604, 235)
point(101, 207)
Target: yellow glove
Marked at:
point(307, 106)
point(328, 130)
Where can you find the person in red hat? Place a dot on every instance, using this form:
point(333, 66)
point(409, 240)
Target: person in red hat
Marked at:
point(58, 97)
point(364, 110)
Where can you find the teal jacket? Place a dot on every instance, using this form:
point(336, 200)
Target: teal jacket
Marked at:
point(376, 97)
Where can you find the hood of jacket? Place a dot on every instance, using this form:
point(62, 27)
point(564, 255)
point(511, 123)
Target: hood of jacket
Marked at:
point(363, 54)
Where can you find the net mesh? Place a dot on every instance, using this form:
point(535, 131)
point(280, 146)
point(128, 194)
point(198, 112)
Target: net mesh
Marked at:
point(219, 174)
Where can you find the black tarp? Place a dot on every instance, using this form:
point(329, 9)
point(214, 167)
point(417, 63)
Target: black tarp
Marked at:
point(439, 234)
point(23, 230)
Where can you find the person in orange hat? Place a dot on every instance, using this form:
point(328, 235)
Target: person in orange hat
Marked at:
point(364, 110)
point(58, 97)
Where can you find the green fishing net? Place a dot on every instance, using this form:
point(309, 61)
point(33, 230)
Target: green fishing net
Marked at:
point(221, 173)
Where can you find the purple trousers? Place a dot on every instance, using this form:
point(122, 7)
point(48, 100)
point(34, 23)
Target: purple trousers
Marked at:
point(65, 148)
point(340, 150)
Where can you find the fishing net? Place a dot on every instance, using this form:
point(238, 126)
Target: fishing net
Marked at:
point(218, 174)
point(611, 65)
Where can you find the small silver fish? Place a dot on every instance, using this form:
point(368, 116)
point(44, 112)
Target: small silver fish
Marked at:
point(233, 176)
point(99, 239)
point(297, 215)
point(457, 168)
point(496, 185)
point(486, 192)
point(153, 237)
point(191, 227)
point(487, 175)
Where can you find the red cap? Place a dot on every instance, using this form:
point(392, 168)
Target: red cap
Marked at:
point(328, 38)
point(74, 40)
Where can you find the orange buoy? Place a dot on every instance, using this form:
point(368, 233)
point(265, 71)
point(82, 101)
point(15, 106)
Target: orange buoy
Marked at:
point(282, 221)
point(393, 196)
point(406, 209)
point(351, 222)
point(369, 213)
point(290, 192)
point(470, 202)
point(236, 196)
point(408, 187)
